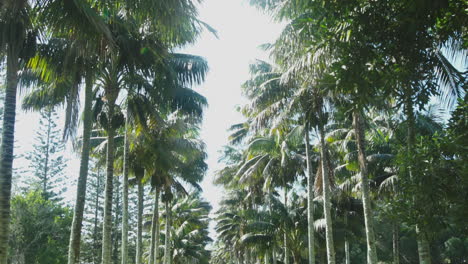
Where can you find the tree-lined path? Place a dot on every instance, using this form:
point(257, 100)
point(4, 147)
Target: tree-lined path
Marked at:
point(348, 145)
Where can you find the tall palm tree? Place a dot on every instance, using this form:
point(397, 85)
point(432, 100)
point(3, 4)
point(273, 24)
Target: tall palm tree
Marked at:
point(168, 151)
point(148, 102)
point(14, 18)
point(273, 102)
point(66, 66)
point(190, 229)
point(17, 16)
point(155, 229)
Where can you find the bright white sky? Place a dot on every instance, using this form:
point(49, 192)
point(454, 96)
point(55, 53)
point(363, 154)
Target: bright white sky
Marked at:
point(241, 29)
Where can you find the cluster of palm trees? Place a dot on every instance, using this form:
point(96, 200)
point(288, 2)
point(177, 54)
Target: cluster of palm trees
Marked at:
point(135, 86)
point(342, 104)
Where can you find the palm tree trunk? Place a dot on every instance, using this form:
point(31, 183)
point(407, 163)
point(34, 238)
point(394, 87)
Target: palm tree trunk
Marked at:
point(366, 201)
point(167, 242)
point(117, 218)
point(46, 160)
point(96, 211)
point(6, 150)
point(296, 259)
point(267, 257)
point(154, 247)
point(107, 225)
point(347, 252)
point(423, 244)
point(310, 199)
point(423, 247)
point(139, 245)
point(273, 250)
point(125, 197)
point(396, 244)
point(77, 224)
point(326, 199)
point(285, 235)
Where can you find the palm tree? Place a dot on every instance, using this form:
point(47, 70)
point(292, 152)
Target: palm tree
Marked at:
point(13, 18)
point(16, 16)
point(125, 58)
point(190, 230)
point(231, 223)
point(136, 157)
point(168, 91)
point(170, 152)
point(63, 62)
point(154, 246)
point(269, 162)
point(273, 102)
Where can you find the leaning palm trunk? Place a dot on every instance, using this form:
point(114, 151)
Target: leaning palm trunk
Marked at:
point(154, 247)
point(167, 242)
point(107, 225)
point(77, 224)
point(125, 197)
point(310, 199)
point(326, 199)
point(139, 246)
point(366, 201)
point(286, 250)
point(423, 244)
point(6, 150)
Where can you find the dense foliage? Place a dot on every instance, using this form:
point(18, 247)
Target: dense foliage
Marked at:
point(342, 128)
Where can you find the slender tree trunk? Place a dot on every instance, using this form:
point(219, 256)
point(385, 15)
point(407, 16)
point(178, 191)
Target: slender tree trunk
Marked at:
point(6, 149)
point(296, 259)
point(310, 199)
point(273, 249)
point(125, 196)
point(366, 200)
point(96, 212)
point(326, 199)
point(154, 247)
point(423, 247)
point(273, 256)
point(107, 225)
point(286, 250)
point(167, 242)
point(139, 245)
point(267, 257)
point(77, 223)
point(46, 165)
point(118, 217)
point(347, 252)
point(423, 244)
point(396, 243)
